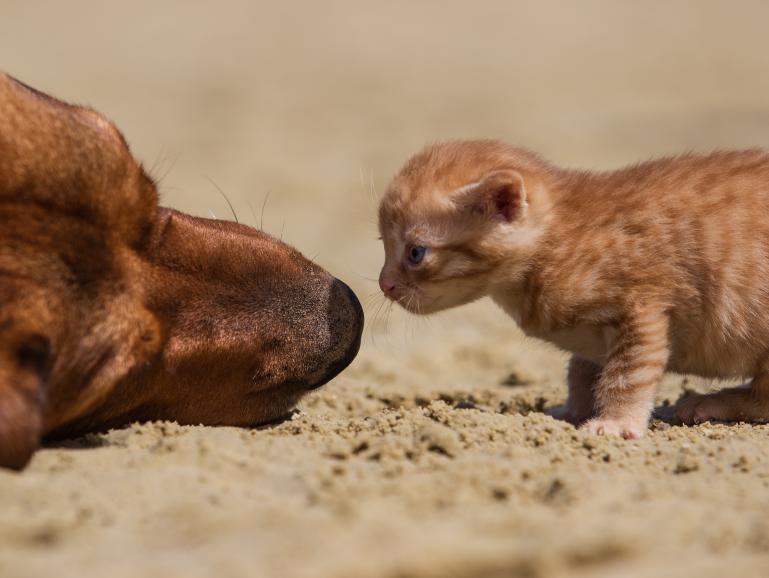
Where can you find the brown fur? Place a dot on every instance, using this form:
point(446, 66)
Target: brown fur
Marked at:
point(662, 266)
point(113, 309)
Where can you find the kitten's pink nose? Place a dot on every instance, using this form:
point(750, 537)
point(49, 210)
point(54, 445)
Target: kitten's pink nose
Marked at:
point(387, 285)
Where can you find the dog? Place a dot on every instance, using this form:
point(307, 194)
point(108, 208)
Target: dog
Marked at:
point(115, 310)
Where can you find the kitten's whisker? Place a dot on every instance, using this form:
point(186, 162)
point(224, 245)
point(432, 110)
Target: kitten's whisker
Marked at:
point(374, 194)
point(363, 182)
point(373, 294)
point(370, 300)
point(408, 323)
point(385, 319)
point(376, 312)
point(369, 303)
point(369, 328)
point(368, 189)
point(376, 319)
point(365, 278)
point(418, 317)
point(388, 312)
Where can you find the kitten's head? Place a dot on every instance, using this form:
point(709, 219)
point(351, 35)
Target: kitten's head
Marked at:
point(456, 220)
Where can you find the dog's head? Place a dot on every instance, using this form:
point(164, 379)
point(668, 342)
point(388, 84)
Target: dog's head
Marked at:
point(113, 309)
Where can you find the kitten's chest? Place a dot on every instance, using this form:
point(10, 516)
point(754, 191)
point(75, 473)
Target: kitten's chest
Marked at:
point(590, 340)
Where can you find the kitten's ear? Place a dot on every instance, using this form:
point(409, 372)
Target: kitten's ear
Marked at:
point(24, 364)
point(499, 194)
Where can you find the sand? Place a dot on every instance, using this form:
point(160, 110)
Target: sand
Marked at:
point(431, 456)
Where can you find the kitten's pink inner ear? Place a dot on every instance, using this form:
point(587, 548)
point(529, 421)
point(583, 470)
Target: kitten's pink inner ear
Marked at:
point(504, 194)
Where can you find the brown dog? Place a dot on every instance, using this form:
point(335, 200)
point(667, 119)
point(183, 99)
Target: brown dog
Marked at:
point(114, 310)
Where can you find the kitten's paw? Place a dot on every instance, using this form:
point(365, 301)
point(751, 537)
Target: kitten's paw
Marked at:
point(694, 409)
point(574, 416)
point(626, 428)
point(732, 404)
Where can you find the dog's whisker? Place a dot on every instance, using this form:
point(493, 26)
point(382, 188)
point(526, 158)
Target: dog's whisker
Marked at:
point(158, 162)
point(253, 213)
point(226, 198)
point(264, 205)
point(168, 170)
point(158, 165)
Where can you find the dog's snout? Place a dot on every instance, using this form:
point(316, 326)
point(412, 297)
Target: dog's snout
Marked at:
point(345, 318)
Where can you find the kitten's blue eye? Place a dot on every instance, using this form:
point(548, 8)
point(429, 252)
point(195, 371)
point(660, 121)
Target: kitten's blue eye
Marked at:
point(416, 254)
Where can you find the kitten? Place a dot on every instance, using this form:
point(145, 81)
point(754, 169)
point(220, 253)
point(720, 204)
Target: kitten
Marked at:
point(661, 266)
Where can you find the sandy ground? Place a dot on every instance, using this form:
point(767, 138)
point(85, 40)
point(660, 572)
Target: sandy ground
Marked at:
point(430, 456)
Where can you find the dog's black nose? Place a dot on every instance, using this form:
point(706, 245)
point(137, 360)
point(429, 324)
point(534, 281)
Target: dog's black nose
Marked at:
point(346, 328)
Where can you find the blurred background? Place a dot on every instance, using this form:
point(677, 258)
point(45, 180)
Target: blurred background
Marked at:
point(430, 456)
point(312, 102)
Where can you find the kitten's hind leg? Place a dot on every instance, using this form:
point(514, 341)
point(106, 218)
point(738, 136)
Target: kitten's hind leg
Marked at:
point(582, 377)
point(744, 403)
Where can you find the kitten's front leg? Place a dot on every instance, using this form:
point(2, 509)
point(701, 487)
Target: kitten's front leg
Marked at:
point(582, 378)
point(624, 394)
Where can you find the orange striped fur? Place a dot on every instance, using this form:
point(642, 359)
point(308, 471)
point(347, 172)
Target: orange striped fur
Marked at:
point(661, 266)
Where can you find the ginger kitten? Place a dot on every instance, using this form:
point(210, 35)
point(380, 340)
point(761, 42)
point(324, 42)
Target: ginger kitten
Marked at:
point(661, 266)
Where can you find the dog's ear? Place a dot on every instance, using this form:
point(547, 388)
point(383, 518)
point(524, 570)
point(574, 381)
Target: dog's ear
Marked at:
point(25, 363)
point(22, 367)
point(75, 212)
point(71, 160)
